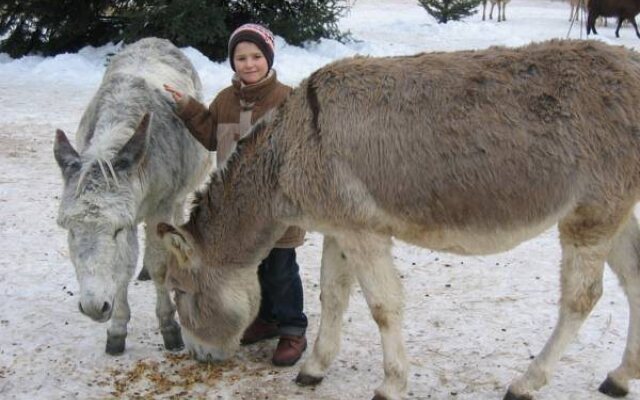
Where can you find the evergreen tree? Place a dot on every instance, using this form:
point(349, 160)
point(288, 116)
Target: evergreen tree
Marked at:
point(202, 24)
point(51, 27)
point(447, 10)
point(295, 20)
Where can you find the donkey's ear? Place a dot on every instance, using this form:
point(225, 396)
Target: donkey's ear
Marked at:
point(176, 242)
point(66, 157)
point(133, 151)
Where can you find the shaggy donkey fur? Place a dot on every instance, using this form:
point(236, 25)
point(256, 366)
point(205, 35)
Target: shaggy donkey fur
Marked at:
point(120, 178)
point(468, 152)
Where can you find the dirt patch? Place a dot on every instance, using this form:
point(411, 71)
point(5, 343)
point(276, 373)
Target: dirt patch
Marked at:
point(176, 376)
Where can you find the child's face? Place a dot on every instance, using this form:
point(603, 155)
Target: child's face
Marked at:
point(251, 65)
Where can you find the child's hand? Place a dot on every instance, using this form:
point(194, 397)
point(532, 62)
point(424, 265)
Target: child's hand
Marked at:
point(174, 93)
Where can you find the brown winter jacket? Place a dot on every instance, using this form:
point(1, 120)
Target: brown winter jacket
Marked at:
point(230, 115)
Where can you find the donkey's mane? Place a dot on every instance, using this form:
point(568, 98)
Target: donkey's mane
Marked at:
point(114, 126)
point(223, 172)
point(250, 137)
point(100, 152)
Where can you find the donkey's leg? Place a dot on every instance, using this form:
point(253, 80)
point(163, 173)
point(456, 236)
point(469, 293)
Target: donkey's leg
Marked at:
point(370, 256)
point(336, 280)
point(581, 288)
point(155, 258)
point(624, 260)
point(117, 331)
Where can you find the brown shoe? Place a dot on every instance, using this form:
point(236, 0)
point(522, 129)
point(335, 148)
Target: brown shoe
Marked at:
point(259, 330)
point(289, 350)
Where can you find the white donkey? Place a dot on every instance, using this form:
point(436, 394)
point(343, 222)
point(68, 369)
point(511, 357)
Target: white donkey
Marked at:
point(129, 168)
point(467, 152)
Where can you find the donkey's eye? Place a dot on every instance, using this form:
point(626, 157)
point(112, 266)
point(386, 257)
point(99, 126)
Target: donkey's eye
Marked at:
point(117, 232)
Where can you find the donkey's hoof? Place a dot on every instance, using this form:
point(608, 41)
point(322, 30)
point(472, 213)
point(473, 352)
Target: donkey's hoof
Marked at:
point(144, 274)
point(173, 340)
point(308, 380)
point(510, 396)
point(115, 344)
point(612, 389)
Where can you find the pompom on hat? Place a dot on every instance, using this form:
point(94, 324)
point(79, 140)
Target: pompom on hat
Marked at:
point(256, 34)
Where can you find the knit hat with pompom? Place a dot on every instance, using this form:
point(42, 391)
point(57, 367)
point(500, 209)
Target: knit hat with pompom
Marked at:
point(256, 34)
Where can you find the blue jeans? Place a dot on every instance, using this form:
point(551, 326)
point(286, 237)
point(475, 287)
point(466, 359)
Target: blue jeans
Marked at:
point(281, 289)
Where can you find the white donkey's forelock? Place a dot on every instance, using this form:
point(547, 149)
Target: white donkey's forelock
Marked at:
point(103, 148)
point(101, 164)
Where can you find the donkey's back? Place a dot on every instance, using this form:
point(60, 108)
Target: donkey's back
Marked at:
point(157, 61)
point(503, 141)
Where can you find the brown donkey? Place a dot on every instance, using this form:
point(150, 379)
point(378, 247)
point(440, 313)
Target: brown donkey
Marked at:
point(467, 152)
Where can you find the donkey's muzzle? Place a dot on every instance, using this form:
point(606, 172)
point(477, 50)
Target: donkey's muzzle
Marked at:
point(95, 311)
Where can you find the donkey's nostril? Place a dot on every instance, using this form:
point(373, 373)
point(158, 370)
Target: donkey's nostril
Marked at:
point(106, 307)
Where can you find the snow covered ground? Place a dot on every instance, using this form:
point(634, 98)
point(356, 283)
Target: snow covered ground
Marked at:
point(472, 323)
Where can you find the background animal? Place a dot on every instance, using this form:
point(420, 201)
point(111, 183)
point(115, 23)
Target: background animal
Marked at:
point(621, 9)
point(502, 5)
point(576, 6)
point(135, 163)
point(581, 5)
point(467, 152)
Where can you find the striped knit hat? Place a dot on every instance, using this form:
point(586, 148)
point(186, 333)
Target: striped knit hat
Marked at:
point(256, 34)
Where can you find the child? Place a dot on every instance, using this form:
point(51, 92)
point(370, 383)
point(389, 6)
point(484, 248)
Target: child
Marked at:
point(255, 90)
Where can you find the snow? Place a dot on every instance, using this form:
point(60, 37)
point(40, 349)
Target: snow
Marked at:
point(471, 325)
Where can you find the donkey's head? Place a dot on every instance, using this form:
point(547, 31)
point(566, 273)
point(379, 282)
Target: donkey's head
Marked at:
point(215, 303)
point(231, 229)
point(98, 208)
